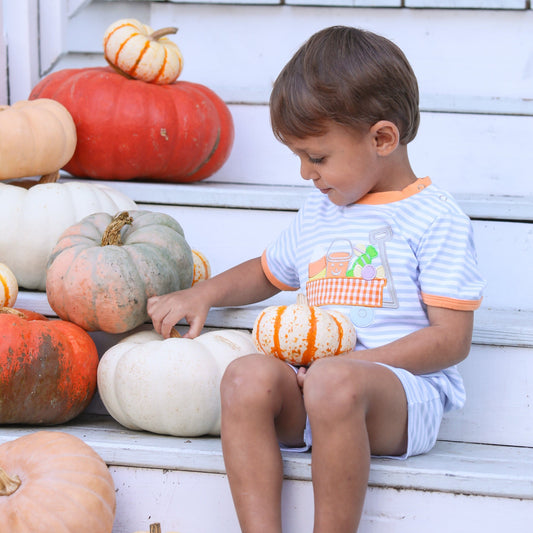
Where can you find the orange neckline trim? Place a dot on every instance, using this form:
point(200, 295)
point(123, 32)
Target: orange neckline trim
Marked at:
point(387, 197)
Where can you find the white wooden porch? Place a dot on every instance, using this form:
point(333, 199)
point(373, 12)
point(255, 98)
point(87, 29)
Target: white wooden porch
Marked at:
point(474, 60)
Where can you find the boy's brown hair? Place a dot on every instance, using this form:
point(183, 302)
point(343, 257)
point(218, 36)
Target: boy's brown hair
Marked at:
point(346, 75)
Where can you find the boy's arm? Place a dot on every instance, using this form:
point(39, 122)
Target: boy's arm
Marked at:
point(244, 284)
point(445, 342)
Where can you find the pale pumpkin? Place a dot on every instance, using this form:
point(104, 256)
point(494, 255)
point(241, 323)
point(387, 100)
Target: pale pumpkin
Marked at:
point(103, 269)
point(37, 216)
point(201, 267)
point(139, 52)
point(52, 481)
point(9, 288)
point(38, 137)
point(300, 333)
point(169, 386)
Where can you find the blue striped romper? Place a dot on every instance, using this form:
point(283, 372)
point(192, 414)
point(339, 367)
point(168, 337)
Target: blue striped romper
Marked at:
point(381, 261)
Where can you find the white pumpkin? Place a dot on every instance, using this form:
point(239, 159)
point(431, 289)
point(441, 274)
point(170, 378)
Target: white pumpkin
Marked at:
point(33, 219)
point(169, 386)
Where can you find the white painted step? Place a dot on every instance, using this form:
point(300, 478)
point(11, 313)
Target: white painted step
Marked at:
point(182, 484)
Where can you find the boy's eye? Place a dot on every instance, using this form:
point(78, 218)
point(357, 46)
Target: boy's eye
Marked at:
point(316, 160)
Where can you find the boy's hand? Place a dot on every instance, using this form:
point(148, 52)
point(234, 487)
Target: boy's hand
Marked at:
point(300, 377)
point(167, 310)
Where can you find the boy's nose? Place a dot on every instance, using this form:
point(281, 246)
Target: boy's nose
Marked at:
point(308, 171)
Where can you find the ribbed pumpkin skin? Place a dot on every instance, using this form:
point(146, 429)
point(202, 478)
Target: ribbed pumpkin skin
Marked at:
point(299, 334)
point(37, 217)
point(169, 386)
point(107, 287)
point(66, 486)
point(129, 129)
point(37, 138)
point(47, 369)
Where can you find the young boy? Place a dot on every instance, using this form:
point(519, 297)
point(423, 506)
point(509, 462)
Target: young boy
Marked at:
point(392, 251)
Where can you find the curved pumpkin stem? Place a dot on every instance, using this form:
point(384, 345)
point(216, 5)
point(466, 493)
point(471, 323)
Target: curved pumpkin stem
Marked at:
point(8, 484)
point(175, 334)
point(10, 311)
point(49, 178)
point(301, 299)
point(162, 32)
point(111, 234)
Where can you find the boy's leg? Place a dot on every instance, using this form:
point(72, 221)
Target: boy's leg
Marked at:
point(355, 408)
point(261, 405)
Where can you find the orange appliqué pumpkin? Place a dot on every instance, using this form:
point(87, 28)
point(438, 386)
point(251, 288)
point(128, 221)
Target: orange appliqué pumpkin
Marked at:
point(300, 333)
point(47, 368)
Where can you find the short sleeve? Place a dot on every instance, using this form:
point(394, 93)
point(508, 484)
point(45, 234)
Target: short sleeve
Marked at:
point(279, 258)
point(448, 272)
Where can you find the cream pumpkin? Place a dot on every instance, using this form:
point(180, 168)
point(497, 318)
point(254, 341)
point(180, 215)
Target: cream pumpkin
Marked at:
point(37, 216)
point(300, 333)
point(9, 288)
point(138, 51)
point(38, 137)
point(52, 481)
point(169, 386)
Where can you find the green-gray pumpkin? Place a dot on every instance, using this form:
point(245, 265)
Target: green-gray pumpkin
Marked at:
point(103, 269)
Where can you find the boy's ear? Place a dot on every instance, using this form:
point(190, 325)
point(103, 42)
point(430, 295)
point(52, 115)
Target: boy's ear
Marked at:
point(386, 137)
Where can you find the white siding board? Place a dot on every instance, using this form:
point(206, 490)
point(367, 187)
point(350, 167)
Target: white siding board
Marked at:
point(468, 4)
point(488, 58)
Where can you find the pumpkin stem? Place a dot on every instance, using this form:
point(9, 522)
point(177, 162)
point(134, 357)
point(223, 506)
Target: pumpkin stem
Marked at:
point(8, 485)
point(301, 299)
point(155, 528)
point(111, 234)
point(49, 178)
point(10, 311)
point(162, 32)
point(175, 334)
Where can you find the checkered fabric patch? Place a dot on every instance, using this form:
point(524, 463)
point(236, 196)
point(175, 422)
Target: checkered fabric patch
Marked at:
point(346, 291)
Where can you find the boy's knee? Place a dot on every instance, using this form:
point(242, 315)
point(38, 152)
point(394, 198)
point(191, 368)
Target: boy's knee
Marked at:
point(333, 389)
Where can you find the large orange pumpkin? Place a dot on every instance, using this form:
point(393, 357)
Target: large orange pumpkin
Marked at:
point(130, 129)
point(47, 369)
point(51, 481)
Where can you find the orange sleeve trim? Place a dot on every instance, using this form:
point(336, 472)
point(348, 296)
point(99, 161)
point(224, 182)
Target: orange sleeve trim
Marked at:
point(451, 303)
point(275, 281)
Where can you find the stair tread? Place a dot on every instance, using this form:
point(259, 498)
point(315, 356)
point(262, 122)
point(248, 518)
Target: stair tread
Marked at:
point(465, 468)
point(291, 197)
point(499, 327)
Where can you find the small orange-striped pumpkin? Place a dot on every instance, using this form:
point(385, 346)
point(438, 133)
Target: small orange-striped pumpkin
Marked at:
point(53, 481)
point(300, 333)
point(139, 52)
point(9, 288)
point(201, 266)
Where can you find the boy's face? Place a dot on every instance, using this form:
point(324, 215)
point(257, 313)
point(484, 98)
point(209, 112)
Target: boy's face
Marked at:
point(342, 163)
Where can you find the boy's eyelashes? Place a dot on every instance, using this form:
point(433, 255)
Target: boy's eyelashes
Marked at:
point(316, 160)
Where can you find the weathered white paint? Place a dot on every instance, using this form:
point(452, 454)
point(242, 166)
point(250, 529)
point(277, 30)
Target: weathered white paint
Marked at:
point(21, 34)
point(3, 59)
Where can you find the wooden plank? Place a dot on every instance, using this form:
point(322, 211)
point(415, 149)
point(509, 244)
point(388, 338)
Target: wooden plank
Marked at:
point(291, 198)
point(211, 35)
point(464, 154)
point(21, 33)
point(451, 467)
point(467, 4)
point(179, 501)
